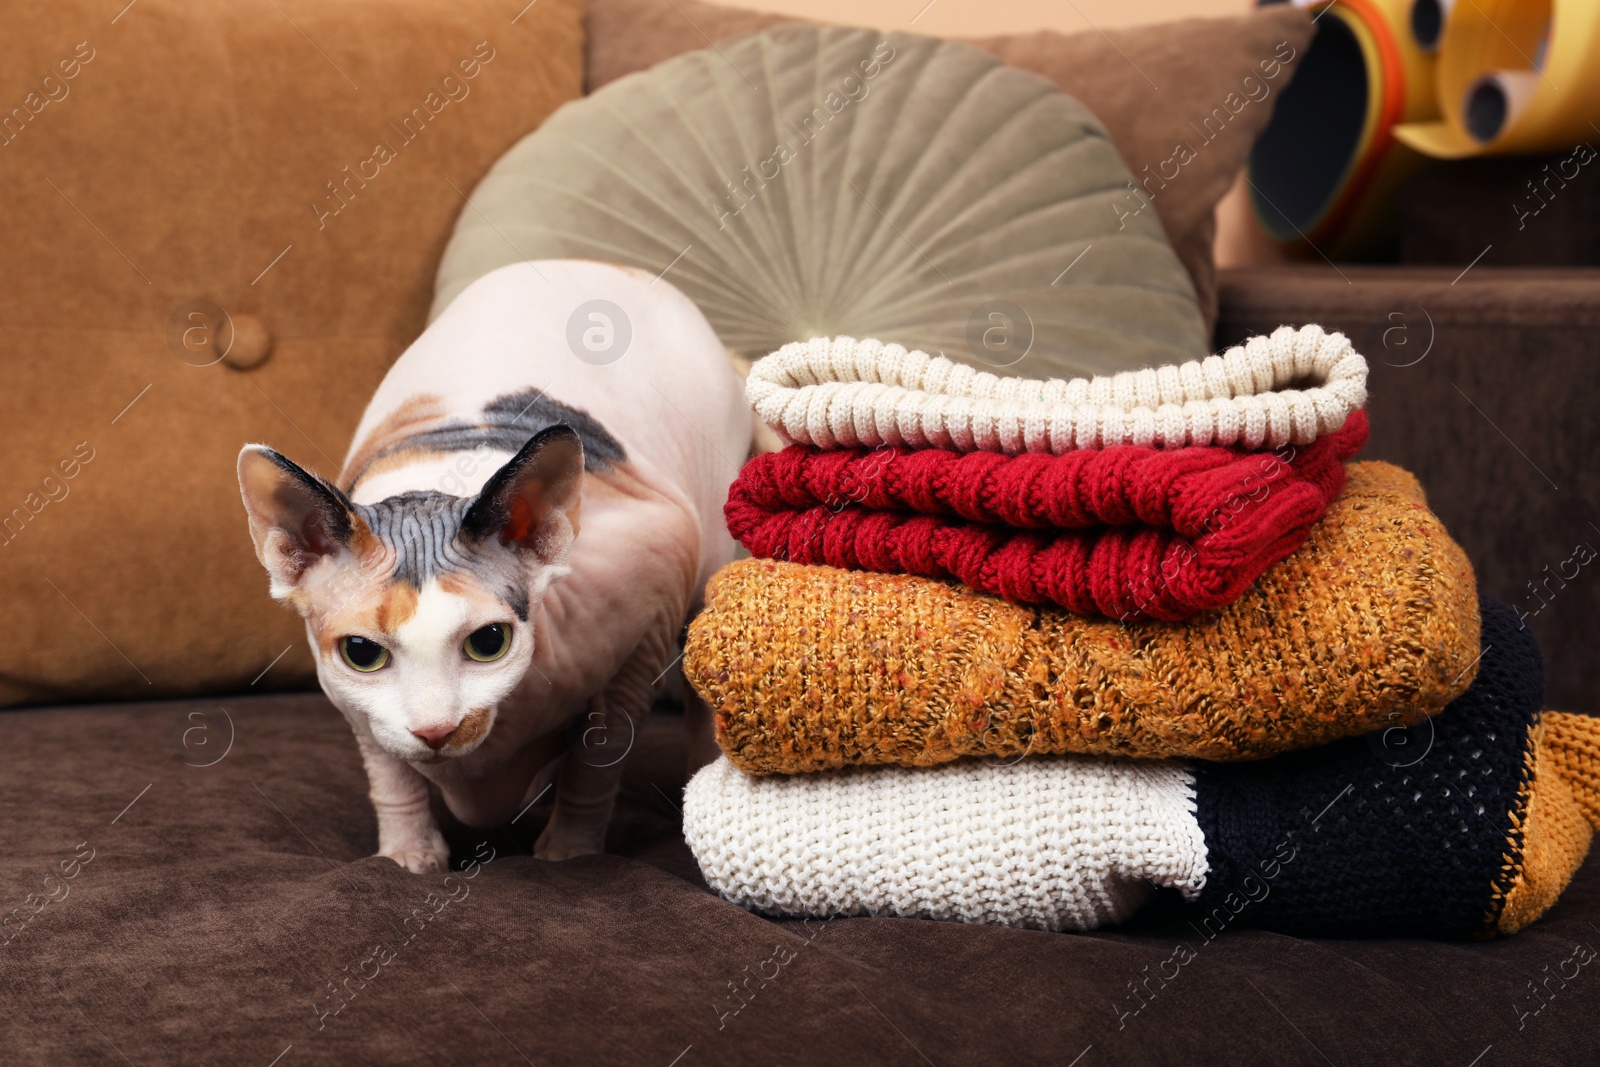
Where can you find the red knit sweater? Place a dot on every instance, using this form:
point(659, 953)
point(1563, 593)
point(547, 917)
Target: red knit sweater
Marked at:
point(1125, 532)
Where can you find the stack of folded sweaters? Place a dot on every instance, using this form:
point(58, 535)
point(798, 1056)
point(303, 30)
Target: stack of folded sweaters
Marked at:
point(1189, 648)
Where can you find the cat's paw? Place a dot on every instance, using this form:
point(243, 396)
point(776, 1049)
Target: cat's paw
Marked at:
point(420, 860)
point(564, 850)
point(421, 855)
point(553, 844)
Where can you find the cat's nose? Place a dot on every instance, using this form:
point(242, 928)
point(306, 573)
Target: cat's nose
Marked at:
point(434, 738)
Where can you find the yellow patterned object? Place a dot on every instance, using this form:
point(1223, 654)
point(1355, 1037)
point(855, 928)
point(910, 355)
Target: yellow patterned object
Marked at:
point(1514, 77)
point(1372, 623)
point(1557, 817)
point(1326, 170)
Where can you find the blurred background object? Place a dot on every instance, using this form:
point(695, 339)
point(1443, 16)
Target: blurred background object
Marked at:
point(1515, 76)
point(1358, 163)
point(1325, 173)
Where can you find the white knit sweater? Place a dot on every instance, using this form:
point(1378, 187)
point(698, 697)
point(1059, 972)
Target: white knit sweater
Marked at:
point(845, 393)
point(1055, 843)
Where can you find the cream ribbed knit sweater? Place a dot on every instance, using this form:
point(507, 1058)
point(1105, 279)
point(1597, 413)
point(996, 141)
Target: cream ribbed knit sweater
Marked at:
point(845, 393)
point(1054, 843)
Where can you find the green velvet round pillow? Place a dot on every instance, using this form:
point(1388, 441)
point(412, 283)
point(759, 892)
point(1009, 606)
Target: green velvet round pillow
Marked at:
point(808, 181)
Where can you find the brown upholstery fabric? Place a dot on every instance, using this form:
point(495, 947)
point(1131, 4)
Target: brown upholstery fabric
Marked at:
point(1485, 388)
point(1153, 87)
point(1513, 210)
point(191, 153)
point(218, 907)
point(625, 36)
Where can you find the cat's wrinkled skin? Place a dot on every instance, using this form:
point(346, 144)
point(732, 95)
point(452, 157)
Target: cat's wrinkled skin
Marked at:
point(502, 476)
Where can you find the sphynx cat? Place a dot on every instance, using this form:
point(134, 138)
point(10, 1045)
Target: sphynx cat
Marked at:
point(495, 585)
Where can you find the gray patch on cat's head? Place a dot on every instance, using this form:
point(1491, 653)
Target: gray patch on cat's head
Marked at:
point(423, 528)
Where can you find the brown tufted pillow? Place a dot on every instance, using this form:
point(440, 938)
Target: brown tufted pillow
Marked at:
point(183, 152)
point(1147, 84)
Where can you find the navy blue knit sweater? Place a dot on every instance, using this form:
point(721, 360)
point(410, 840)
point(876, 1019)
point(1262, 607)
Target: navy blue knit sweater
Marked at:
point(1402, 832)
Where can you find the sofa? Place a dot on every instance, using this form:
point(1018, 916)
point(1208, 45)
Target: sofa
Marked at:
point(191, 876)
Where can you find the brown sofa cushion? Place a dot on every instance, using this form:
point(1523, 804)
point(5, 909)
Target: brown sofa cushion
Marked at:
point(1154, 87)
point(228, 909)
point(189, 156)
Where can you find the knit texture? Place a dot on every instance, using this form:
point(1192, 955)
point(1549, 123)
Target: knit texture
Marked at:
point(1557, 817)
point(1468, 825)
point(1373, 622)
point(1289, 388)
point(1572, 743)
point(1126, 532)
point(1402, 833)
point(1065, 843)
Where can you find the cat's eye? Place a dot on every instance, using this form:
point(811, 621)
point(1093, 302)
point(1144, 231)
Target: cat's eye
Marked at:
point(487, 643)
point(363, 654)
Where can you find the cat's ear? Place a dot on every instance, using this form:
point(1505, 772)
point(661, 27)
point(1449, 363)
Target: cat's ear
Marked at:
point(531, 503)
point(296, 518)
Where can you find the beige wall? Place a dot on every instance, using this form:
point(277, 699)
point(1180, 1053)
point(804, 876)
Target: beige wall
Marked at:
point(974, 18)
